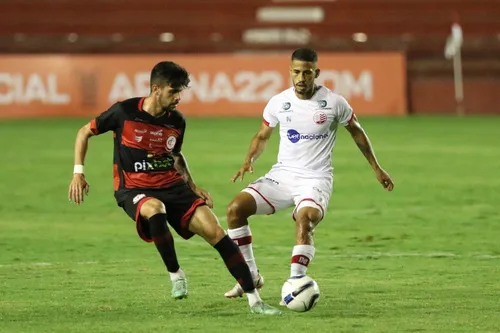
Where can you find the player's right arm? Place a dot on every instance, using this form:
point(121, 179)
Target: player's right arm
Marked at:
point(79, 185)
point(106, 121)
point(259, 142)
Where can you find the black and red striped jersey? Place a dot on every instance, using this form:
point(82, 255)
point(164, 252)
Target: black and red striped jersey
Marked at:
point(143, 144)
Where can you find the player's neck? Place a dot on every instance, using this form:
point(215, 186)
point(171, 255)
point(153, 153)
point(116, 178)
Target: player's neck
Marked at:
point(307, 95)
point(152, 108)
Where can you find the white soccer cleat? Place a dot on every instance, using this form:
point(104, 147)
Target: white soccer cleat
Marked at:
point(237, 291)
point(180, 288)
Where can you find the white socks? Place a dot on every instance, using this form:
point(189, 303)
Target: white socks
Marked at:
point(179, 274)
point(301, 257)
point(242, 236)
point(253, 298)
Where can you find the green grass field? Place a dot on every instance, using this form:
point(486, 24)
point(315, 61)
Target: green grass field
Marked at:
point(424, 258)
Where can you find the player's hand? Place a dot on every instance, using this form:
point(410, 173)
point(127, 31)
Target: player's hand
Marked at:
point(205, 196)
point(246, 167)
point(384, 179)
point(77, 188)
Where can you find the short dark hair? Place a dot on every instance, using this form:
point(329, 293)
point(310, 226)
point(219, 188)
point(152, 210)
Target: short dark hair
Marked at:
point(169, 73)
point(305, 54)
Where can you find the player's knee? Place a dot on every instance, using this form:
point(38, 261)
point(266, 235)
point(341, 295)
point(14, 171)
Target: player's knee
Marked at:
point(236, 212)
point(310, 214)
point(217, 234)
point(306, 221)
point(212, 233)
point(205, 224)
point(232, 211)
point(314, 215)
point(152, 207)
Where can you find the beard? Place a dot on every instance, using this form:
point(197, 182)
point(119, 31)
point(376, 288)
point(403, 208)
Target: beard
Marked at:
point(170, 107)
point(304, 89)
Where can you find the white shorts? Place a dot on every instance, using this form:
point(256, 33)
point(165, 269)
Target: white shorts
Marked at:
point(280, 189)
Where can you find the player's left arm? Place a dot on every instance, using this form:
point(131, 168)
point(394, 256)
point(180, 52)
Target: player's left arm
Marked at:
point(181, 165)
point(363, 142)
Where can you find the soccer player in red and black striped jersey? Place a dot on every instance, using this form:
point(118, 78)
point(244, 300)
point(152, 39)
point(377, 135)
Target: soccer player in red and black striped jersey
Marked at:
point(152, 181)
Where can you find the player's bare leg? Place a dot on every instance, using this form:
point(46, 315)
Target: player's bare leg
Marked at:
point(204, 223)
point(306, 219)
point(238, 211)
point(154, 212)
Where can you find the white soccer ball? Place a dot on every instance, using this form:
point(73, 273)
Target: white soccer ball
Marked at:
point(300, 293)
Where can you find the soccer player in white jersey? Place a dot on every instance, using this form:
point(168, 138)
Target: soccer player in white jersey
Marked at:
point(309, 116)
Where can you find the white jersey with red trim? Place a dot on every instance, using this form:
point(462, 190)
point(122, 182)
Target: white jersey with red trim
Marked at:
point(308, 130)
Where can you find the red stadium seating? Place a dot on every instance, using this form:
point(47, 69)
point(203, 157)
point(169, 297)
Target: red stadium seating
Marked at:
point(418, 26)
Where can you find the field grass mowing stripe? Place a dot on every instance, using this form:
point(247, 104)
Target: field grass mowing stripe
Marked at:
point(364, 255)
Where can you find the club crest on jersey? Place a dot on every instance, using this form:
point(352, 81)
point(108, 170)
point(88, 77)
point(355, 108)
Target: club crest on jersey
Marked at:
point(286, 106)
point(171, 142)
point(320, 117)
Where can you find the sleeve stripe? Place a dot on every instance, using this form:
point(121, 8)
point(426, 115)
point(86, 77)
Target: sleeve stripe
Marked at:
point(93, 127)
point(265, 122)
point(351, 118)
point(141, 103)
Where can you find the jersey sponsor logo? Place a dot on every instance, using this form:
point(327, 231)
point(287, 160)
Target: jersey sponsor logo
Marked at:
point(320, 117)
point(142, 166)
point(154, 141)
point(154, 164)
point(295, 136)
point(322, 104)
point(286, 107)
point(157, 133)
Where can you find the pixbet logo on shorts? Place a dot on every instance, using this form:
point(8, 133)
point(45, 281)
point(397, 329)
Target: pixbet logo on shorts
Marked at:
point(295, 136)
